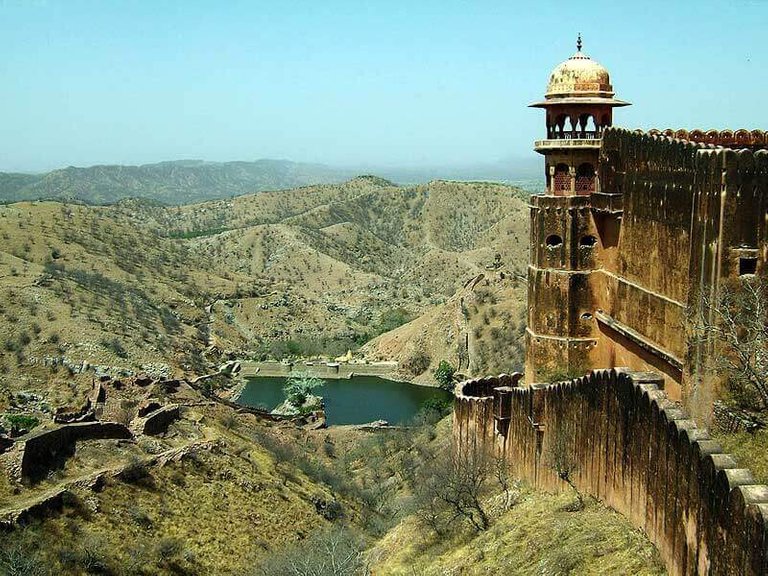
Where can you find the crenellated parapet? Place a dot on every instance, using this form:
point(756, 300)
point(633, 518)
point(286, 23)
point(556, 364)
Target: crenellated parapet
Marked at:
point(637, 451)
point(737, 139)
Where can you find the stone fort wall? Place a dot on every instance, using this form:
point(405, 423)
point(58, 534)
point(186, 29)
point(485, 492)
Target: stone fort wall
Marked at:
point(693, 213)
point(637, 451)
point(673, 220)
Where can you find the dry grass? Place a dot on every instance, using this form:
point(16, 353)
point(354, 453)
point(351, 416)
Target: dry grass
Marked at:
point(534, 538)
point(215, 511)
point(750, 450)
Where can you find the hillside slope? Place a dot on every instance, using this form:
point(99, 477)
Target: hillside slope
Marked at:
point(140, 287)
point(343, 267)
point(478, 330)
point(318, 270)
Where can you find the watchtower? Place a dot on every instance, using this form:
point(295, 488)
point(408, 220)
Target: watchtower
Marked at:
point(569, 239)
point(579, 105)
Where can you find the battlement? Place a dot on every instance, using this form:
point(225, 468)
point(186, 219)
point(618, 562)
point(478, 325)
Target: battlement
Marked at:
point(633, 251)
point(638, 452)
point(735, 139)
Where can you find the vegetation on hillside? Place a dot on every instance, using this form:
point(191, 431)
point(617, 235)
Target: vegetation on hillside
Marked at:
point(140, 287)
point(316, 271)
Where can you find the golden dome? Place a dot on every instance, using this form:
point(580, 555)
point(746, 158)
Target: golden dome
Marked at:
point(579, 80)
point(579, 76)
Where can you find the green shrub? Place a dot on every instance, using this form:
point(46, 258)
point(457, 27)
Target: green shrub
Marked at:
point(19, 422)
point(393, 318)
point(444, 375)
point(298, 387)
point(434, 409)
point(115, 346)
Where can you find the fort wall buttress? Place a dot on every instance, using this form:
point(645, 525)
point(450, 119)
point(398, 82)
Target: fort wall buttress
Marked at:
point(564, 252)
point(636, 451)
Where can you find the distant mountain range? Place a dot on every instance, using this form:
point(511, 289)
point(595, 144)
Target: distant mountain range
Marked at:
point(181, 182)
point(190, 181)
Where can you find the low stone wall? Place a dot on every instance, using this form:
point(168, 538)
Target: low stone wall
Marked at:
point(636, 451)
point(157, 421)
point(318, 370)
point(39, 452)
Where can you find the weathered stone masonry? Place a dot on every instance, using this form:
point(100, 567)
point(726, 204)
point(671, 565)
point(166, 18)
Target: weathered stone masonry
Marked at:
point(673, 221)
point(632, 231)
point(638, 452)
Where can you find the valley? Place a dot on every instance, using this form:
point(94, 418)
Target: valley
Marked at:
point(137, 287)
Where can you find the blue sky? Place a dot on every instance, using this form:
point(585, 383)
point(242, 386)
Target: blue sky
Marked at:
point(392, 83)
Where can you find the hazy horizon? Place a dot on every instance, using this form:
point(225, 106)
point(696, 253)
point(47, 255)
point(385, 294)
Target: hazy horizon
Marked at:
point(526, 166)
point(348, 84)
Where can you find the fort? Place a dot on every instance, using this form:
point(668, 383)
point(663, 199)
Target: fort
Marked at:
point(635, 235)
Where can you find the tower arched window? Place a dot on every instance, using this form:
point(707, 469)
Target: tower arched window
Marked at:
point(590, 127)
point(585, 178)
point(554, 241)
point(562, 181)
point(559, 126)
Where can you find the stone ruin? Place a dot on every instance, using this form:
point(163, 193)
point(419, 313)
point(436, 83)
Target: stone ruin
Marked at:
point(31, 457)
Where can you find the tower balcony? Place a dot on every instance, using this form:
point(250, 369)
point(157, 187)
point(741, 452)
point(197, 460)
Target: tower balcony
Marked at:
point(590, 142)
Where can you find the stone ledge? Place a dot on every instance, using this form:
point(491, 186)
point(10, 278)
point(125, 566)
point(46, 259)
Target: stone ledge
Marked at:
point(638, 339)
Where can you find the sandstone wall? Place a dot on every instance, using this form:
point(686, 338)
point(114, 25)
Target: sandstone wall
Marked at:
point(692, 212)
point(638, 452)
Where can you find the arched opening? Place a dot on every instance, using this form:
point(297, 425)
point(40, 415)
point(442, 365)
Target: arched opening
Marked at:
point(562, 181)
point(585, 178)
point(605, 121)
point(588, 241)
point(573, 127)
point(553, 241)
point(583, 121)
point(590, 129)
point(560, 125)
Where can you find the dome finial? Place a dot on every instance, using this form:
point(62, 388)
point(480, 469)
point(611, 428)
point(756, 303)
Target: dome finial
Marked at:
point(578, 43)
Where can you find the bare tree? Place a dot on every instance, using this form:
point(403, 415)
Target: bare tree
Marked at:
point(452, 486)
point(330, 552)
point(502, 471)
point(561, 458)
point(734, 327)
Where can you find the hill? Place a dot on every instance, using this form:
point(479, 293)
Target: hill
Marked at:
point(352, 261)
point(478, 330)
point(169, 290)
point(180, 182)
